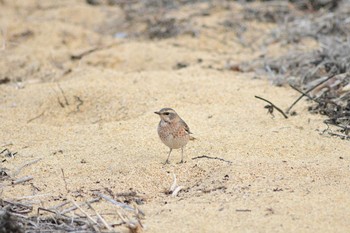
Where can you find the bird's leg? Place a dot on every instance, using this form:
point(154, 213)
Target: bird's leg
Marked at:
point(182, 155)
point(167, 160)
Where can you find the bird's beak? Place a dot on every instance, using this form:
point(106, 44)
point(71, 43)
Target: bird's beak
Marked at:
point(158, 113)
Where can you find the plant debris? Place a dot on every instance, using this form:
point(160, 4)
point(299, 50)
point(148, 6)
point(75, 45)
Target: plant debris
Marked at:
point(307, 71)
point(15, 217)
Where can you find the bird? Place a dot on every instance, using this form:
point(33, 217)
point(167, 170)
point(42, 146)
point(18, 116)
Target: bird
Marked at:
point(173, 131)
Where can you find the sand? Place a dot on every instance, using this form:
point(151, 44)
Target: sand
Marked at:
point(93, 119)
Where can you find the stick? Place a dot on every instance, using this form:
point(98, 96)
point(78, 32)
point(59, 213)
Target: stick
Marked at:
point(82, 54)
point(114, 202)
point(87, 52)
point(74, 207)
point(4, 34)
point(208, 157)
point(20, 215)
point(173, 186)
point(17, 204)
point(8, 153)
point(127, 194)
point(339, 135)
point(176, 191)
point(100, 217)
point(62, 92)
point(122, 205)
point(24, 209)
point(25, 165)
point(81, 102)
point(34, 118)
point(22, 180)
point(86, 214)
point(47, 210)
point(60, 205)
point(34, 196)
point(305, 94)
point(312, 88)
point(64, 179)
point(277, 108)
point(8, 144)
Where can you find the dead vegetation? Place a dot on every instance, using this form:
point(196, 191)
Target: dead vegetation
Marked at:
point(68, 217)
point(22, 214)
point(326, 22)
point(322, 76)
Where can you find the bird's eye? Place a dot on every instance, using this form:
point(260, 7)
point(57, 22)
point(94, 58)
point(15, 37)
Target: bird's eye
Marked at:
point(166, 113)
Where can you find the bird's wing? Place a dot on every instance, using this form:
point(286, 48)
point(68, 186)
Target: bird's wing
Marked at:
point(186, 127)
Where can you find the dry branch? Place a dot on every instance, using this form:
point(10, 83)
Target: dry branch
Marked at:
point(114, 202)
point(22, 180)
point(101, 218)
point(18, 170)
point(64, 180)
point(308, 91)
point(174, 188)
point(36, 117)
point(119, 204)
point(272, 106)
point(84, 212)
point(74, 207)
point(208, 157)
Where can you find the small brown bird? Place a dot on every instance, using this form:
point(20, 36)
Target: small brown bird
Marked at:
point(173, 131)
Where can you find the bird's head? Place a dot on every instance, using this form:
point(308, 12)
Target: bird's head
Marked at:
point(167, 114)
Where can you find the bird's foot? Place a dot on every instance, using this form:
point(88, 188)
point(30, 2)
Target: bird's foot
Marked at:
point(166, 162)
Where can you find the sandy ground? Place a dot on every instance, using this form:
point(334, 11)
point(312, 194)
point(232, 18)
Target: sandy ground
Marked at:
point(93, 118)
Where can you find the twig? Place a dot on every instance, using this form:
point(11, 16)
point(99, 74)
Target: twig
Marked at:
point(20, 215)
point(64, 96)
point(339, 135)
point(23, 209)
point(74, 207)
point(304, 94)
point(114, 202)
point(173, 186)
point(307, 95)
point(274, 106)
point(17, 204)
point(64, 179)
point(87, 52)
point(86, 214)
point(44, 209)
point(176, 191)
point(208, 157)
point(18, 170)
point(84, 53)
point(127, 194)
point(311, 98)
point(243, 210)
point(34, 118)
point(80, 102)
point(60, 205)
point(34, 196)
point(9, 153)
point(214, 189)
point(3, 33)
point(100, 217)
point(22, 180)
point(7, 144)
